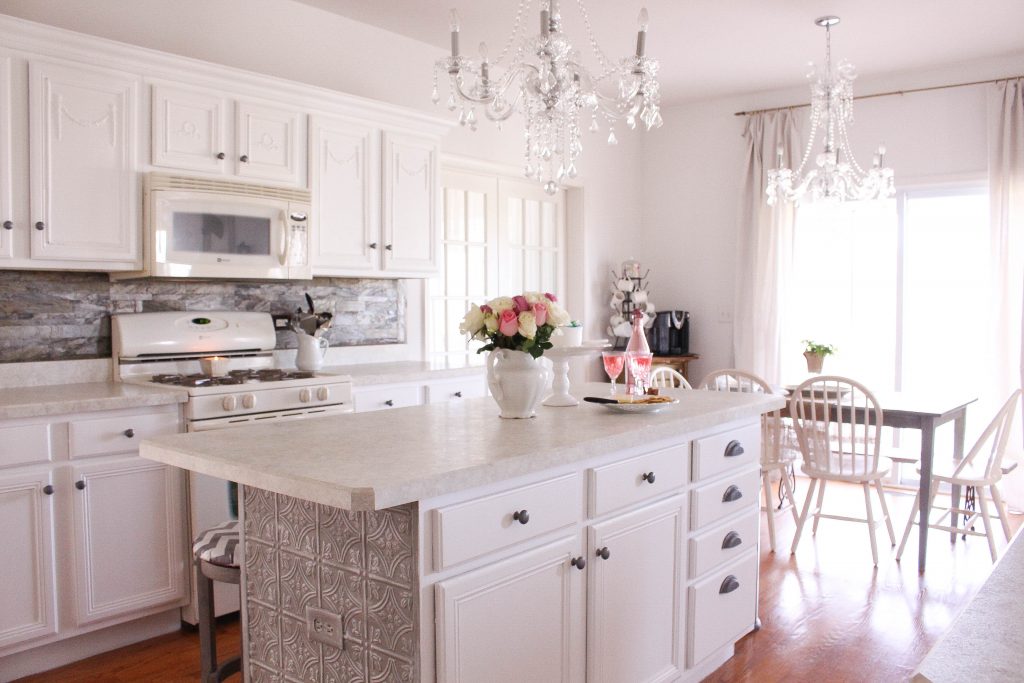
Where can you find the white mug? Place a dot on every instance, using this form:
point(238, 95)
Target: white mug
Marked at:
point(311, 352)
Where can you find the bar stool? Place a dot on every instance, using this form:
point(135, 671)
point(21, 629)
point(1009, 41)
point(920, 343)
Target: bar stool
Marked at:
point(215, 560)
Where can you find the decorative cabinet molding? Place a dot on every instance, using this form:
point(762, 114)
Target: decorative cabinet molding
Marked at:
point(344, 162)
point(82, 140)
point(411, 191)
point(189, 129)
point(28, 600)
point(7, 216)
point(271, 143)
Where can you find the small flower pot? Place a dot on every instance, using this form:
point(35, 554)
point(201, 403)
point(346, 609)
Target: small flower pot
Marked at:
point(814, 361)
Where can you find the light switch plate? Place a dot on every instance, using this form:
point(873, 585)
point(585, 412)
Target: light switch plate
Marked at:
point(325, 627)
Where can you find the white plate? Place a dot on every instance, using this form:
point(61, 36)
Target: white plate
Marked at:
point(639, 407)
point(596, 344)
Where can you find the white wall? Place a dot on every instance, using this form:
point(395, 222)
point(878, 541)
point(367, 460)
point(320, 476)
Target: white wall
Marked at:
point(692, 170)
point(302, 43)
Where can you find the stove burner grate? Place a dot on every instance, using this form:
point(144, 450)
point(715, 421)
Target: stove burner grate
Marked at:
point(233, 377)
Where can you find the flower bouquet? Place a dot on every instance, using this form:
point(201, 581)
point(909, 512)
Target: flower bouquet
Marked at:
point(517, 323)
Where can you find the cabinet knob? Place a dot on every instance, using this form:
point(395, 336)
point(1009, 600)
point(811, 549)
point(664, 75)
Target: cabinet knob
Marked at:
point(40, 225)
point(48, 489)
point(648, 477)
point(129, 432)
point(221, 155)
point(373, 245)
point(604, 553)
point(731, 540)
point(732, 493)
point(323, 393)
point(579, 563)
point(733, 449)
point(244, 158)
point(457, 394)
point(80, 484)
point(249, 401)
point(8, 225)
point(389, 402)
point(522, 516)
point(387, 247)
point(730, 584)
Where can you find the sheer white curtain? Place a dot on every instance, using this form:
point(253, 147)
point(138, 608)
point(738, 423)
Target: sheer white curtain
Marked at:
point(1006, 187)
point(765, 246)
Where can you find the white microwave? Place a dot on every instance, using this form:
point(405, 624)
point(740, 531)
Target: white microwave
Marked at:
point(219, 229)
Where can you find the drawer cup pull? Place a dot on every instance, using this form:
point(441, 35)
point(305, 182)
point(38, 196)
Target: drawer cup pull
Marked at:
point(648, 477)
point(731, 540)
point(604, 553)
point(729, 585)
point(522, 516)
point(732, 493)
point(129, 432)
point(734, 449)
point(579, 563)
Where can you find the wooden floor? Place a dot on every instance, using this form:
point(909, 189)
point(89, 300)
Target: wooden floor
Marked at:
point(826, 613)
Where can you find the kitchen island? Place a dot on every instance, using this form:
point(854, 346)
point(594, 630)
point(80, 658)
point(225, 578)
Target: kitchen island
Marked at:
point(444, 543)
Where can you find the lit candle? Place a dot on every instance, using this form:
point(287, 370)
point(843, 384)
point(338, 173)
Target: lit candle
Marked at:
point(641, 34)
point(453, 24)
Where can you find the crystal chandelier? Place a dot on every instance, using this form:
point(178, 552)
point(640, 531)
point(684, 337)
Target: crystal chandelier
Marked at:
point(837, 176)
point(545, 81)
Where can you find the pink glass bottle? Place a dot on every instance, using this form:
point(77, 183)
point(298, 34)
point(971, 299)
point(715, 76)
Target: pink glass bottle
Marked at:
point(637, 345)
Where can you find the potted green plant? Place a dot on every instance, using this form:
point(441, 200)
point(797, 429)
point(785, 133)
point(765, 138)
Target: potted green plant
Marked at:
point(815, 354)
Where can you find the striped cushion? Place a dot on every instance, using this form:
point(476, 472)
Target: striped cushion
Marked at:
point(217, 545)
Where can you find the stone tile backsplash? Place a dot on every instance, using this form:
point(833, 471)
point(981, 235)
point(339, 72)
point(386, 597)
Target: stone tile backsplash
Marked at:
point(66, 315)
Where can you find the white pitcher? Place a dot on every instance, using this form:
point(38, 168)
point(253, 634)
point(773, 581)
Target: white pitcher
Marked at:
point(311, 352)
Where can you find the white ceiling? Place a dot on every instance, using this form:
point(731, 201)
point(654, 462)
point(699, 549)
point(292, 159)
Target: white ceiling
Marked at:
point(713, 48)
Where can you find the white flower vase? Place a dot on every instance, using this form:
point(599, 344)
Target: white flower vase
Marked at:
point(517, 382)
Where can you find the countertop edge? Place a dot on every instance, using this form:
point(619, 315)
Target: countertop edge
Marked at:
point(89, 405)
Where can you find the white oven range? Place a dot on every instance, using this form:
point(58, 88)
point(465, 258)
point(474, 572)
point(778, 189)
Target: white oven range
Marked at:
point(170, 349)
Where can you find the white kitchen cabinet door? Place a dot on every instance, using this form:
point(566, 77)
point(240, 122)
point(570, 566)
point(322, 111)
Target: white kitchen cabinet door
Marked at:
point(411, 191)
point(189, 129)
point(517, 620)
point(82, 143)
point(271, 143)
point(6, 193)
point(345, 177)
point(28, 596)
point(129, 537)
point(635, 609)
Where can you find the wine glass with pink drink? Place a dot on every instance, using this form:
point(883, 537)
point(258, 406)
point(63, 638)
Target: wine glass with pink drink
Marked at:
point(614, 362)
point(640, 370)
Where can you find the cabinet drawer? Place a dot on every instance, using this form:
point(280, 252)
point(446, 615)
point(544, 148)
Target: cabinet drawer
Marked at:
point(637, 479)
point(367, 400)
point(24, 444)
point(477, 527)
point(720, 453)
point(454, 389)
point(724, 543)
point(722, 608)
point(712, 502)
point(118, 434)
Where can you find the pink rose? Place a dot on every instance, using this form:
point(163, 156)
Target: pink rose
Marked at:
point(521, 304)
point(508, 323)
point(540, 312)
point(486, 309)
point(550, 296)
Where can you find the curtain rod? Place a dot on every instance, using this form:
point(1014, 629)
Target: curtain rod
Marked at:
point(883, 94)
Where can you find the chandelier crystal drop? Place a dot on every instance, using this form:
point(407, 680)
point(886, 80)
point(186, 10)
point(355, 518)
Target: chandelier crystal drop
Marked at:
point(545, 81)
point(836, 175)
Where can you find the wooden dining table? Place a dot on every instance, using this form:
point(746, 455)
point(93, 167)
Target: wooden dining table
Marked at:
point(925, 412)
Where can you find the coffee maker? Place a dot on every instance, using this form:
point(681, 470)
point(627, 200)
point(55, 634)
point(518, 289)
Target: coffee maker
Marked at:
point(670, 334)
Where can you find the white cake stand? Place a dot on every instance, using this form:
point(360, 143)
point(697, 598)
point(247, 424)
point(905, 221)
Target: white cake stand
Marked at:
point(560, 355)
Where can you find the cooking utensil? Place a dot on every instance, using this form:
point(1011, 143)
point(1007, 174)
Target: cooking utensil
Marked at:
point(323, 328)
point(596, 399)
point(309, 301)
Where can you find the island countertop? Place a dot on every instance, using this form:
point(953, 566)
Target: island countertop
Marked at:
point(377, 460)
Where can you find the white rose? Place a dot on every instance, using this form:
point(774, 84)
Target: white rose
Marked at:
point(527, 324)
point(502, 303)
point(557, 315)
point(536, 297)
point(491, 323)
point(473, 321)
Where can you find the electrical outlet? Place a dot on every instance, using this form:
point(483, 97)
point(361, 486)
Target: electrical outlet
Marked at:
point(325, 627)
point(724, 314)
point(282, 321)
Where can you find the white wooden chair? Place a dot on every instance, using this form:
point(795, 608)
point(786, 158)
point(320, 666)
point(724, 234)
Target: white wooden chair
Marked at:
point(774, 458)
point(839, 426)
point(972, 472)
point(664, 377)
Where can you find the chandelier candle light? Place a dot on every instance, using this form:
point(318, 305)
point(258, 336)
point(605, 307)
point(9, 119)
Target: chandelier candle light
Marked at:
point(837, 175)
point(546, 82)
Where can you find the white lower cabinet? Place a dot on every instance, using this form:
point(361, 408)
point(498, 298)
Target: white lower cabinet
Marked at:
point(635, 614)
point(722, 607)
point(517, 620)
point(27, 600)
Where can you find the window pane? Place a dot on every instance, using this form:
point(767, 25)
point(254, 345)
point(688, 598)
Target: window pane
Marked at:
point(548, 278)
point(476, 272)
point(455, 267)
point(456, 312)
point(437, 324)
point(531, 274)
point(455, 218)
point(549, 225)
point(476, 217)
point(531, 219)
point(513, 271)
point(515, 221)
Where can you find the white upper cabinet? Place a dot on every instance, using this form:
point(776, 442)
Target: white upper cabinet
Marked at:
point(189, 129)
point(82, 141)
point(193, 130)
point(6, 204)
point(411, 192)
point(345, 174)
